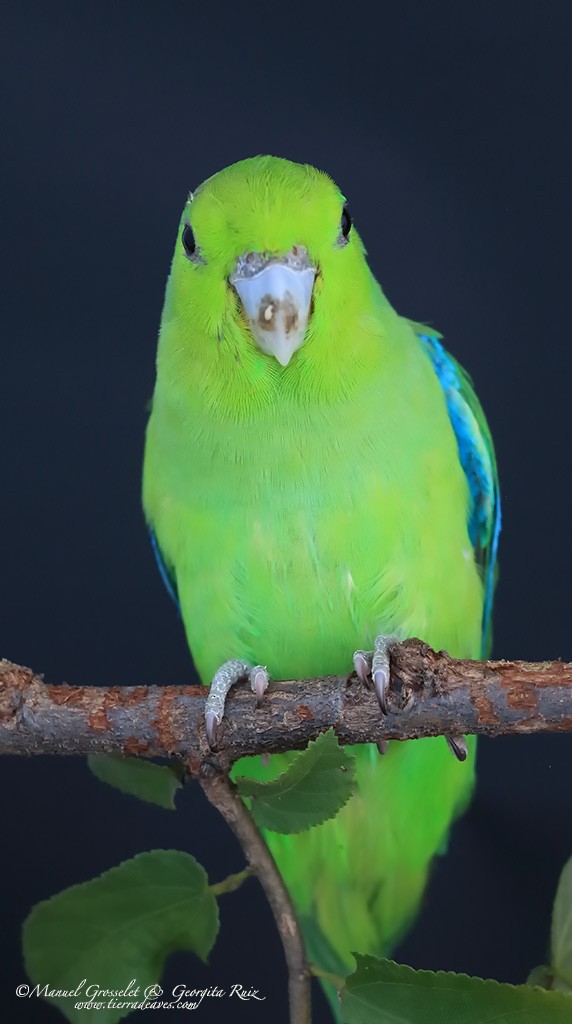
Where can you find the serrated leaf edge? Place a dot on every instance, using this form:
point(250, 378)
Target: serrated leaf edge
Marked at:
point(149, 914)
point(258, 800)
point(360, 958)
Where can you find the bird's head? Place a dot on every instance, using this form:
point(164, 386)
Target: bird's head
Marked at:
point(265, 252)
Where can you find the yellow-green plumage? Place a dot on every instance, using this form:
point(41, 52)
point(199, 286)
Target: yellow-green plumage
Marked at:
point(303, 509)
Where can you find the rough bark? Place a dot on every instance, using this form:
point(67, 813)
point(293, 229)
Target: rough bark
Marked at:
point(450, 697)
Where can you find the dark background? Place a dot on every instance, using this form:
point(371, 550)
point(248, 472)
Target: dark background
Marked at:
point(448, 128)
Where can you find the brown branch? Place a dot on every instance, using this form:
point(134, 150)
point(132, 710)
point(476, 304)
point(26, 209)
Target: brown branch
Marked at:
point(224, 796)
point(451, 697)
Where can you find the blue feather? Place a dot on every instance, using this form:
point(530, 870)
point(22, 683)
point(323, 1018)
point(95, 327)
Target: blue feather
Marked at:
point(165, 575)
point(477, 460)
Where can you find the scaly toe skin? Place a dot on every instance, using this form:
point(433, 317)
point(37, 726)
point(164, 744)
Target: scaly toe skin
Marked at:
point(380, 669)
point(225, 677)
point(458, 746)
point(259, 680)
point(376, 664)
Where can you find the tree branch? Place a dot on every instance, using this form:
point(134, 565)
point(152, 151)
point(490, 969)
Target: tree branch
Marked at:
point(450, 697)
point(225, 797)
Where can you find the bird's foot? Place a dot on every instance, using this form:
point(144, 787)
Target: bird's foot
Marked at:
point(374, 665)
point(228, 675)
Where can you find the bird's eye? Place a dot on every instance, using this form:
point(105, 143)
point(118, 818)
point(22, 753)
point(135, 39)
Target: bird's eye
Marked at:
point(188, 240)
point(346, 222)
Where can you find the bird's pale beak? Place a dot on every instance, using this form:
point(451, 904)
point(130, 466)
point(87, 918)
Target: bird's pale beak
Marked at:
point(276, 292)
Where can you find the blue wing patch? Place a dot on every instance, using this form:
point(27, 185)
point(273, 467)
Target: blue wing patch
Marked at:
point(165, 575)
point(476, 455)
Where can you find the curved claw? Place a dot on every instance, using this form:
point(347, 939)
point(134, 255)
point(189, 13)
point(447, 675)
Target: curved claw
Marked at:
point(362, 665)
point(211, 722)
point(259, 680)
point(380, 680)
point(458, 746)
point(382, 746)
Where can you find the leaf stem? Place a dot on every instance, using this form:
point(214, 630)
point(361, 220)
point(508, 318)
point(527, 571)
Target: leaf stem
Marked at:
point(335, 979)
point(231, 883)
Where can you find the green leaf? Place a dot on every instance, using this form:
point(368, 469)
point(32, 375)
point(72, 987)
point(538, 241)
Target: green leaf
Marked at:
point(120, 926)
point(561, 934)
point(313, 788)
point(133, 775)
point(383, 992)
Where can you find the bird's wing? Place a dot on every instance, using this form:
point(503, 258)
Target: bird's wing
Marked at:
point(477, 456)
